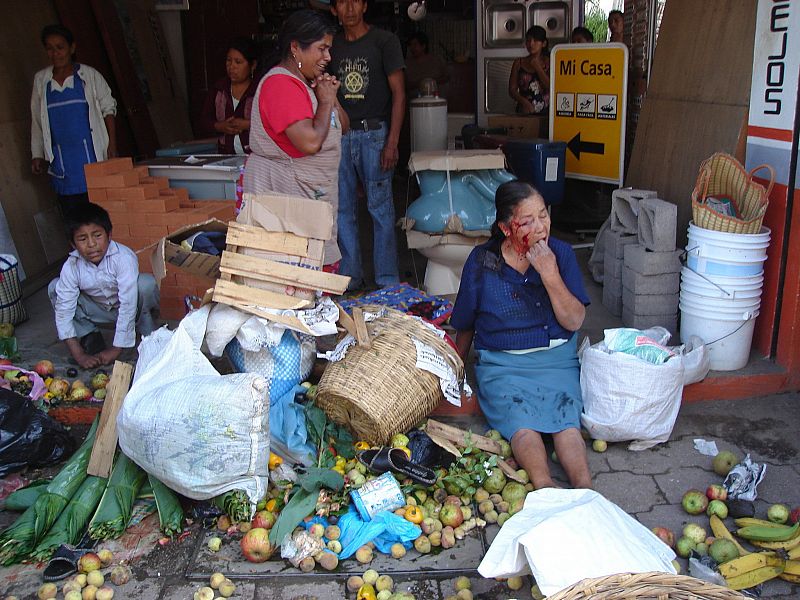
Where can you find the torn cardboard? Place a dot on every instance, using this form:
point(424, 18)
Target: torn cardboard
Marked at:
point(168, 250)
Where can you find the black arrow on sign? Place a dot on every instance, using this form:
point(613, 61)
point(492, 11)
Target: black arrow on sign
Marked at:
point(576, 146)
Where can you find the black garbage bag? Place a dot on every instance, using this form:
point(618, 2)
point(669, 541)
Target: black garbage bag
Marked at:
point(28, 437)
point(425, 452)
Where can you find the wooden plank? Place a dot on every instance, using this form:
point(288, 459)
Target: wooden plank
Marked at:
point(459, 436)
point(362, 335)
point(270, 270)
point(509, 472)
point(292, 322)
point(346, 320)
point(105, 441)
point(445, 444)
point(256, 297)
point(228, 248)
point(270, 241)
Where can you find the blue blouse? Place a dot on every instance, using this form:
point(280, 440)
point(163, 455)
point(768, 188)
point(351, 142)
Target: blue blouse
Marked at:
point(509, 310)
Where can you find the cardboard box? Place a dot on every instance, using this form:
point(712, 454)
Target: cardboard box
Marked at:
point(523, 126)
point(168, 251)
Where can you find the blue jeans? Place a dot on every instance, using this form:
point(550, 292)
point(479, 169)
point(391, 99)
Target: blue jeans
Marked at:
point(361, 159)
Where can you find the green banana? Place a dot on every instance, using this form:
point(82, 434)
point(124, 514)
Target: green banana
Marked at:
point(750, 562)
point(761, 533)
point(748, 521)
point(753, 578)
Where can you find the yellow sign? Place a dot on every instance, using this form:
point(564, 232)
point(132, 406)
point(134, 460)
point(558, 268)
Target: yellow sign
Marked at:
point(587, 108)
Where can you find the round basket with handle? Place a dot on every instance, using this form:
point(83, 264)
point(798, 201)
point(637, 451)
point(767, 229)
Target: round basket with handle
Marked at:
point(650, 586)
point(721, 175)
point(379, 391)
point(12, 310)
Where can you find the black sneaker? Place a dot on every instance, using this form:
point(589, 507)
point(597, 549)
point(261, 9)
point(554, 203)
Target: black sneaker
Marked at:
point(93, 343)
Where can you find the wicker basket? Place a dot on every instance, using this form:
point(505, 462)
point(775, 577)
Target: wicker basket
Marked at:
point(12, 310)
point(723, 175)
point(655, 586)
point(378, 392)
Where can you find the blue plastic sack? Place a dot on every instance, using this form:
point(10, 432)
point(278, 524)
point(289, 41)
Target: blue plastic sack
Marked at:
point(384, 529)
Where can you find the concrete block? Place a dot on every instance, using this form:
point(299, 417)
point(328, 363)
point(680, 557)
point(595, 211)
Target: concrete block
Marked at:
point(669, 322)
point(612, 297)
point(664, 284)
point(645, 262)
point(658, 222)
point(649, 304)
point(615, 243)
point(625, 209)
point(612, 267)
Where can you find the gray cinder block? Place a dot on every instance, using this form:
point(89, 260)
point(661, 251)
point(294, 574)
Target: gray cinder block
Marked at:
point(615, 243)
point(612, 267)
point(669, 322)
point(649, 304)
point(658, 222)
point(666, 283)
point(612, 298)
point(625, 209)
point(645, 262)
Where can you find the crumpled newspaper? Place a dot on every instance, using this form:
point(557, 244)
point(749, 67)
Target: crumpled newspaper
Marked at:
point(743, 479)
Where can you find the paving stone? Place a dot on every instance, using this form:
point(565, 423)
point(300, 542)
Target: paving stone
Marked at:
point(676, 483)
point(659, 459)
point(670, 516)
point(143, 588)
point(629, 491)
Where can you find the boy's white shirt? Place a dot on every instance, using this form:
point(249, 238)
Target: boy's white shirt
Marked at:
point(111, 284)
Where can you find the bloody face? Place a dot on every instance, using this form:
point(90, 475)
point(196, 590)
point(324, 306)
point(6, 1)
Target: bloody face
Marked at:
point(529, 224)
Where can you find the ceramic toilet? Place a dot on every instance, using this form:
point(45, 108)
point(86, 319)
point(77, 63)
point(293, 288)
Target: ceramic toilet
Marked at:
point(454, 212)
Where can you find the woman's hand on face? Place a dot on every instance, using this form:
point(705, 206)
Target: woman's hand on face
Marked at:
point(38, 166)
point(527, 106)
point(325, 87)
point(542, 259)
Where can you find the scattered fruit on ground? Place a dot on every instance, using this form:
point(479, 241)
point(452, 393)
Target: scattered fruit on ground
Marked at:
point(106, 556)
point(370, 576)
point(463, 583)
point(599, 445)
point(317, 530)
point(46, 591)
point(665, 535)
point(554, 456)
point(105, 593)
point(536, 593)
point(214, 544)
point(677, 566)
point(723, 462)
point(354, 582)
point(684, 547)
point(264, 519)
point(451, 515)
point(307, 564)
point(717, 507)
point(398, 550)
point(364, 554)
point(778, 513)
point(89, 593)
point(514, 583)
point(399, 440)
point(95, 578)
point(224, 522)
point(694, 502)
point(694, 532)
point(216, 580)
point(723, 550)
point(366, 592)
point(204, 593)
point(256, 546)
point(227, 588)
point(332, 532)
point(495, 482)
point(43, 368)
point(328, 561)
point(716, 492)
point(794, 516)
point(99, 381)
point(89, 562)
point(384, 582)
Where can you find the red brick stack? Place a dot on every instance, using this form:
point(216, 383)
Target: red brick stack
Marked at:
point(143, 210)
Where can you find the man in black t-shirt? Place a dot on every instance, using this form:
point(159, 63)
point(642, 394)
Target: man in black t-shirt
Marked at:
point(369, 63)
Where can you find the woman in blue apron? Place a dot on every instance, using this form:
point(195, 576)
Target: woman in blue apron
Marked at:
point(72, 113)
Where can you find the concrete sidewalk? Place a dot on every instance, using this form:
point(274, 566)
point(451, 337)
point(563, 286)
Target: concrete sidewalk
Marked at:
point(648, 485)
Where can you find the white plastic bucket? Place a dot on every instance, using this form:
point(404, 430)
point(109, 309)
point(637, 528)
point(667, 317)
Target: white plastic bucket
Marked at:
point(726, 254)
point(727, 288)
point(726, 327)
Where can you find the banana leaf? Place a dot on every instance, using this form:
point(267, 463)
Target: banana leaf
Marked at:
point(21, 537)
point(235, 503)
point(71, 523)
point(116, 505)
point(24, 497)
point(146, 491)
point(170, 512)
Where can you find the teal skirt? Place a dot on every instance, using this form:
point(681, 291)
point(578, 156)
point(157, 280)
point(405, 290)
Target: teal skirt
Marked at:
point(538, 390)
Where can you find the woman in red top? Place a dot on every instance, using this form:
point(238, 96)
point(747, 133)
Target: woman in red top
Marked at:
point(297, 126)
point(226, 110)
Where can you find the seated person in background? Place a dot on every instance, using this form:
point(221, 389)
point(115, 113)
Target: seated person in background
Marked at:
point(616, 26)
point(522, 300)
point(100, 283)
point(529, 82)
point(581, 35)
point(420, 64)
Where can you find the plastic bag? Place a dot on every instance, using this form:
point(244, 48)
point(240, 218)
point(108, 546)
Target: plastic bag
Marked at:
point(385, 529)
point(28, 437)
point(696, 360)
point(563, 536)
point(425, 452)
point(640, 343)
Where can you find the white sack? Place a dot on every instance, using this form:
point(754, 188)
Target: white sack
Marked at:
point(563, 536)
point(199, 432)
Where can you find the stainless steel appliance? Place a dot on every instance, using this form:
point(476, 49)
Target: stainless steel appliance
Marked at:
point(500, 34)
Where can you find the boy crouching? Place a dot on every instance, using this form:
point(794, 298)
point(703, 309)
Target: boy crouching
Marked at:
point(100, 283)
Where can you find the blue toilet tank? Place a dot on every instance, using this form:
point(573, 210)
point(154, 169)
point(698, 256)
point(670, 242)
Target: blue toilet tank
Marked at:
point(538, 162)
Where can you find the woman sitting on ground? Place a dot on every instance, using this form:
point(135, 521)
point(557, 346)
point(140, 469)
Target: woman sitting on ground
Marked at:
point(522, 300)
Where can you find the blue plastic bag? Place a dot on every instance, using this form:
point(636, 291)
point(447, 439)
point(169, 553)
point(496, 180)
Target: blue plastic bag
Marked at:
point(384, 529)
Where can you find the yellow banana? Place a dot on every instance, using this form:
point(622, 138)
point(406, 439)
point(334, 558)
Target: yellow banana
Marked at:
point(754, 577)
point(790, 578)
point(746, 521)
point(720, 531)
point(366, 592)
point(762, 533)
point(794, 553)
point(745, 564)
point(787, 545)
point(792, 567)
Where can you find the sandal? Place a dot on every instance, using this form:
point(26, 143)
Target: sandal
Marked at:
point(64, 561)
point(394, 459)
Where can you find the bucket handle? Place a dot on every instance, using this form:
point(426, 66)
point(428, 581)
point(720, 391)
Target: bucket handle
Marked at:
point(685, 263)
point(746, 317)
point(771, 171)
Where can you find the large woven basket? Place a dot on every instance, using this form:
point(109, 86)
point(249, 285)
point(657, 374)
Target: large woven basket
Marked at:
point(377, 392)
point(721, 175)
point(646, 586)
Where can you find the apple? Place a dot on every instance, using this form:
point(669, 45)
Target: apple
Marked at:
point(723, 462)
point(778, 513)
point(255, 545)
point(694, 502)
point(717, 492)
point(717, 507)
point(6, 361)
point(794, 516)
point(44, 368)
point(264, 519)
point(694, 532)
point(684, 547)
point(89, 562)
point(451, 515)
point(665, 535)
